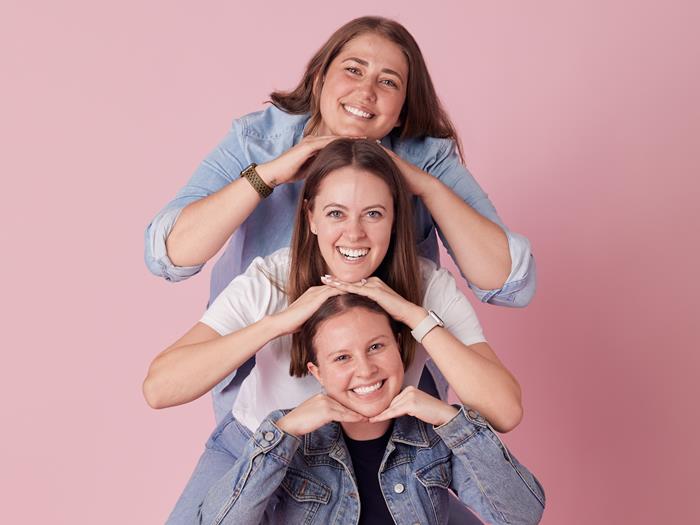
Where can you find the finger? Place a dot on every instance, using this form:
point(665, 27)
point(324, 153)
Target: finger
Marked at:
point(389, 413)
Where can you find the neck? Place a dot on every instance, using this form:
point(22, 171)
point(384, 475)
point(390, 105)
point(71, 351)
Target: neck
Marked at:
point(365, 431)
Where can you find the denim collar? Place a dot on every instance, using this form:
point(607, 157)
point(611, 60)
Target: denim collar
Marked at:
point(407, 430)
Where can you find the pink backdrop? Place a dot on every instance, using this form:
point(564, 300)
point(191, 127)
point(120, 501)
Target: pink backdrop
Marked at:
point(581, 119)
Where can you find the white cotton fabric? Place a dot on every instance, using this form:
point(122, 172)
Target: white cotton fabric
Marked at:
point(259, 292)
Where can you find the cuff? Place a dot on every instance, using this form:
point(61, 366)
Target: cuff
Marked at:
point(461, 428)
point(156, 253)
point(269, 438)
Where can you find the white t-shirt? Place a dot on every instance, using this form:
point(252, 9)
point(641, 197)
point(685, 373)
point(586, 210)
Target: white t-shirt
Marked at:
point(260, 291)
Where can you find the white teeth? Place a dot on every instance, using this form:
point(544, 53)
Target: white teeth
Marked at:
point(363, 390)
point(357, 112)
point(353, 253)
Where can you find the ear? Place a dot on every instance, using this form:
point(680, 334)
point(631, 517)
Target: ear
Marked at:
point(310, 219)
point(313, 370)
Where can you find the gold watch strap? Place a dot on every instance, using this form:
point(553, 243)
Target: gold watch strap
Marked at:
point(255, 181)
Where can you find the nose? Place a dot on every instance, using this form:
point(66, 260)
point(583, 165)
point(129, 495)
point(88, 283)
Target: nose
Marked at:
point(364, 367)
point(366, 89)
point(354, 231)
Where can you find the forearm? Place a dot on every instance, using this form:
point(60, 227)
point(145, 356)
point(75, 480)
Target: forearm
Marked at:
point(480, 246)
point(206, 224)
point(475, 374)
point(243, 494)
point(184, 372)
point(486, 476)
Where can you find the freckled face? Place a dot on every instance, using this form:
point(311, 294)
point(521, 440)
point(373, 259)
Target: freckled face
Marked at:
point(359, 363)
point(364, 89)
point(352, 217)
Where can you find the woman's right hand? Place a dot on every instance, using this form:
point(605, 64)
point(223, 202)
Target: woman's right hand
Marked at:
point(296, 314)
point(315, 412)
point(285, 168)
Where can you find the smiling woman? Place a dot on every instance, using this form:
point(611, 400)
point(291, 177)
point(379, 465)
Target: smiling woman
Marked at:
point(259, 310)
point(303, 465)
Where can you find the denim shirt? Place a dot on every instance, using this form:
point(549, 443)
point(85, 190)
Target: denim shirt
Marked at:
point(280, 478)
point(263, 136)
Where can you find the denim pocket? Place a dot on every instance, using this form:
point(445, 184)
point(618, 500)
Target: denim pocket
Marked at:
point(303, 488)
point(436, 474)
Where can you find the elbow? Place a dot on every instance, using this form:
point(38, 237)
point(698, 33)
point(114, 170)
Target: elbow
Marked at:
point(153, 393)
point(509, 419)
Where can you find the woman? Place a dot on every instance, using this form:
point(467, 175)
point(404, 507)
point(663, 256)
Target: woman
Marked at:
point(368, 80)
point(392, 458)
point(354, 222)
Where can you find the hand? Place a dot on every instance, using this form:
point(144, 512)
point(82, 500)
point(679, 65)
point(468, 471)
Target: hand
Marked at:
point(374, 288)
point(296, 314)
point(315, 412)
point(285, 168)
point(416, 179)
point(416, 403)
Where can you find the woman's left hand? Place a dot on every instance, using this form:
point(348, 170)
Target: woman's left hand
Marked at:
point(416, 403)
point(375, 289)
point(416, 179)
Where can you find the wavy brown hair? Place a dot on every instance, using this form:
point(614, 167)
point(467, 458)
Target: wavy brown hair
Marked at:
point(399, 269)
point(422, 114)
point(333, 307)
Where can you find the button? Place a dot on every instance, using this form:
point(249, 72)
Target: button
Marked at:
point(269, 436)
point(399, 488)
point(473, 414)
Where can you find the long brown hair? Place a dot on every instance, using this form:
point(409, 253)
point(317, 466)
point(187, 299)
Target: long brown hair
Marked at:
point(333, 307)
point(422, 114)
point(399, 269)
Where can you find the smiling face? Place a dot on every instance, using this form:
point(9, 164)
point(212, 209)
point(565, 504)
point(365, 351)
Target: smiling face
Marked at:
point(364, 89)
point(352, 216)
point(358, 360)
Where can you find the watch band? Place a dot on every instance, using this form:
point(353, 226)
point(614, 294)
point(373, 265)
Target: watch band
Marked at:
point(255, 181)
point(426, 325)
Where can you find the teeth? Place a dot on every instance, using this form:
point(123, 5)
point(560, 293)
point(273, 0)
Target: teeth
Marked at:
point(353, 253)
point(357, 112)
point(363, 390)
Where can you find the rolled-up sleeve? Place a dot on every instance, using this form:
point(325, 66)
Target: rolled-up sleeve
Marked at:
point(221, 167)
point(519, 288)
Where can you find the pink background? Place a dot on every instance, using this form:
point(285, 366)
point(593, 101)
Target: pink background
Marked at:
point(581, 119)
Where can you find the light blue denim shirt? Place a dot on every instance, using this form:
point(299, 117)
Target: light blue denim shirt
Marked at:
point(263, 136)
point(283, 479)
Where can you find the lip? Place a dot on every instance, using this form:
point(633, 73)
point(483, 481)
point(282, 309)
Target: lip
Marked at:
point(379, 392)
point(359, 107)
point(359, 260)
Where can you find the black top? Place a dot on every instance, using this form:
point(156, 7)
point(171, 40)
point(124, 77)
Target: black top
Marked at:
point(366, 458)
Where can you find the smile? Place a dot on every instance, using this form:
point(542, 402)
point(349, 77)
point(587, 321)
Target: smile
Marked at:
point(357, 112)
point(352, 254)
point(368, 389)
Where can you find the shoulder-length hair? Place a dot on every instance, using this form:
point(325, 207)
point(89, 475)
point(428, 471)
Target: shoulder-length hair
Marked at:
point(333, 307)
point(422, 114)
point(399, 269)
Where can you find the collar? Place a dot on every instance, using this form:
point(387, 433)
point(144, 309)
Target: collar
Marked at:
point(407, 430)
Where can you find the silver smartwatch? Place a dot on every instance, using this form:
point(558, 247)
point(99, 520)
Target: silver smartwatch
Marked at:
point(426, 325)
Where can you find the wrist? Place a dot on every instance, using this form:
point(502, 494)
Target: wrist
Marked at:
point(273, 325)
point(415, 316)
point(269, 175)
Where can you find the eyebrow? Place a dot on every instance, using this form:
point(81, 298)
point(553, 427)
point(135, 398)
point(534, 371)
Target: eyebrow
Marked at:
point(365, 63)
point(336, 205)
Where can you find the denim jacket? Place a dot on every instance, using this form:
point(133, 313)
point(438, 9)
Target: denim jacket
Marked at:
point(263, 136)
point(283, 479)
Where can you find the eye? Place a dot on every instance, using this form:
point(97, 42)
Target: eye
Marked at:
point(374, 214)
point(341, 358)
point(376, 346)
point(334, 214)
point(390, 83)
point(353, 70)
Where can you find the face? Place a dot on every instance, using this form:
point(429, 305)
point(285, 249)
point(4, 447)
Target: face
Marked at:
point(359, 363)
point(352, 218)
point(364, 89)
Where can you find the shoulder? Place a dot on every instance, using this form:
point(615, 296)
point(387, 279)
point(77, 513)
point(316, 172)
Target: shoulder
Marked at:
point(424, 151)
point(271, 124)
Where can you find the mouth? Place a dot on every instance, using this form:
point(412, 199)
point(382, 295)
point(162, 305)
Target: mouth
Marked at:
point(366, 390)
point(357, 112)
point(352, 254)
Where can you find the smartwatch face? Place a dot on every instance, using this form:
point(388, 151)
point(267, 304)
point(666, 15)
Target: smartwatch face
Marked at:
point(437, 318)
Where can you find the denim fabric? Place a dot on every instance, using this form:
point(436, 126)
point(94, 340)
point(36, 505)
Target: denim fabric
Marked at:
point(281, 478)
point(262, 136)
